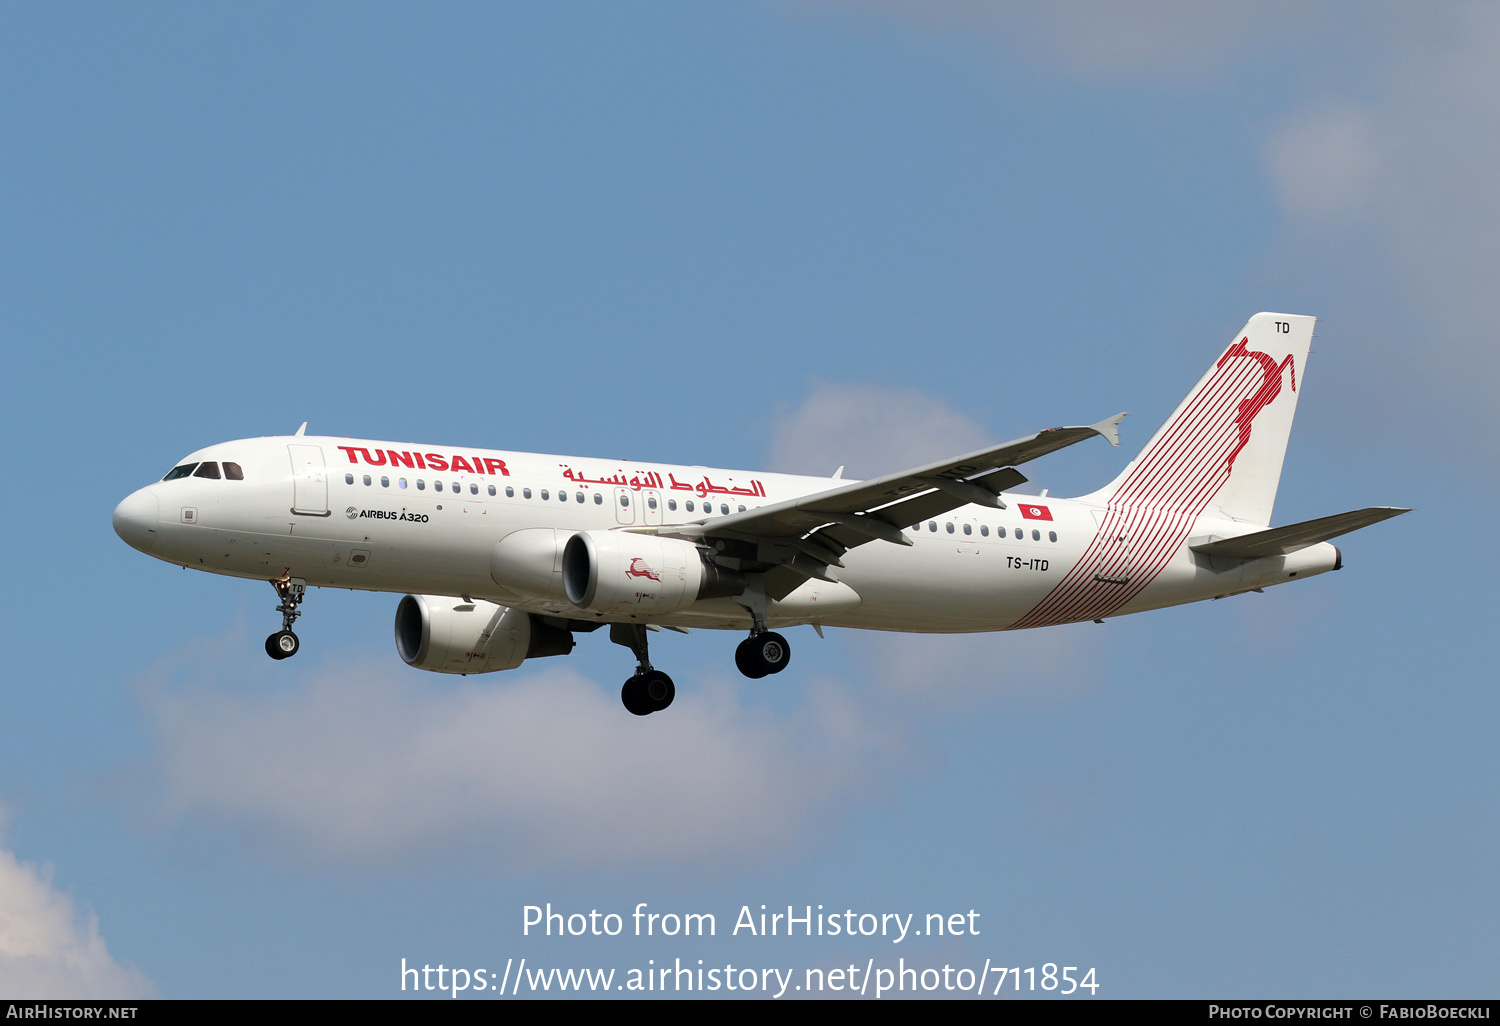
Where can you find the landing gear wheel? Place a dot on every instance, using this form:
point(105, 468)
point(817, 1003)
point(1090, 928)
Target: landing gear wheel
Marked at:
point(633, 694)
point(658, 689)
point(744, 658)
point(763, 653)
point(282, 645)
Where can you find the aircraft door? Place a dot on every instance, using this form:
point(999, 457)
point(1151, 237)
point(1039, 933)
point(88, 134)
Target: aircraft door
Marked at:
point(651, 508)
point(624, 506)
point(1114, 553)
point(309, 481)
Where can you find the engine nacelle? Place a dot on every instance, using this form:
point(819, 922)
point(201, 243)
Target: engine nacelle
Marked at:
point(623, 572)
point(449, 635)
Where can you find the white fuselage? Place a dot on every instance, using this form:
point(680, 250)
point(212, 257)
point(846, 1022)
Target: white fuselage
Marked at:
point(378, 516)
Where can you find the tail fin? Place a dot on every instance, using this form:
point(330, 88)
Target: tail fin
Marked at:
point(1223, 446)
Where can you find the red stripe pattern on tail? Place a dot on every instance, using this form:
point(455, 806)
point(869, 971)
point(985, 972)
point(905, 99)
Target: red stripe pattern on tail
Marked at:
point(1152, 511)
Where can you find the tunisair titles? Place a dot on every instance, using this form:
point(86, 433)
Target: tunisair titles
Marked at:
point(454, 463)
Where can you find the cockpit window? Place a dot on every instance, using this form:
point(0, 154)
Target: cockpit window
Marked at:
point(182, 471)
point(208, 470)
point(232, 472)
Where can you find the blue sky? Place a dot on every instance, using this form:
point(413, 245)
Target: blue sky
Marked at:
point(787, 235)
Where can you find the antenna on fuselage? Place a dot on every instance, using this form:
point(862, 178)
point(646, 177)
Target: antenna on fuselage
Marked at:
point(300, 430)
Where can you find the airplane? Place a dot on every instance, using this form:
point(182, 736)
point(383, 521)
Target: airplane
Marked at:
point(506, 556)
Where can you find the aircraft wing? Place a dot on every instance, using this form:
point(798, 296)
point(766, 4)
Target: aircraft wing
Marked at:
point(810, 533)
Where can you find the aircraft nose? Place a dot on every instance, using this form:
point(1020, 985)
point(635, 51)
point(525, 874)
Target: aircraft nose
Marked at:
point(135, 519)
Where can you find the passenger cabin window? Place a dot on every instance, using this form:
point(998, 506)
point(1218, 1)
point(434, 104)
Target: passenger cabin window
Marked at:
point(968, 529)
point(232, 472)
point(1052, 536)
point(1036, 535)
point(598, 499)
point(421, 485)
point(182, 471)
point(348, 478)
point(578, 496)
point(545, 494)
point(474, 489)
point(510, 493)
point(437, 486)
point(367, 480)
point(984, 530)
point(492, 489)
point(208, 470)
point(672, 505)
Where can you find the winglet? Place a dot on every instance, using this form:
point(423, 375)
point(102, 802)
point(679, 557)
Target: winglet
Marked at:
point(1110, 428)
point(301, 430)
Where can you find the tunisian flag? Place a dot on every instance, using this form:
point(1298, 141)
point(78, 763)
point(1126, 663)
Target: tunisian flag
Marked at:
point(1035, 512)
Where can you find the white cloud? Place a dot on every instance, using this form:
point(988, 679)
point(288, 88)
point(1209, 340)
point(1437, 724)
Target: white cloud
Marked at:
point(47, 950)
point(1323, 161)
point(368, 763)
point(869, 429)
point(1412, 172)
point(1172, 39)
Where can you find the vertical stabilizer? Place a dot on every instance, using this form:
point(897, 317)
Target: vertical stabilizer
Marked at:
point(1219, 453)
point(1222, 448)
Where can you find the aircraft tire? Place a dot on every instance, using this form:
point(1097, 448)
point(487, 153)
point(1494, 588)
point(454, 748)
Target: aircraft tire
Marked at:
point(633, 695)
point(744, 658)
point(282, 645)
point(657, 689)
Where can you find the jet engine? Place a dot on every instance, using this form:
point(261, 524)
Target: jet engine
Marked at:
point(623, 572)
point(449, 635)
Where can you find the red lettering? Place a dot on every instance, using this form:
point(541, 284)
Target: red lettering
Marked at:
point(459, 463)
point(436, 461)
point(404, 458)
point(350, 449)
point(371, 459)
point(418, 458)
point(493, 464)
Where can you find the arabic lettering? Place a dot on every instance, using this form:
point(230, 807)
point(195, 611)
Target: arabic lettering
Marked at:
point(642, 479)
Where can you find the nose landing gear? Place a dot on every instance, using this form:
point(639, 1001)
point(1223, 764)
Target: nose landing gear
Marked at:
point(284, 644)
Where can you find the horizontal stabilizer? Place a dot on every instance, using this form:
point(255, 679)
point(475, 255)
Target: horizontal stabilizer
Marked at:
point(1279, 541)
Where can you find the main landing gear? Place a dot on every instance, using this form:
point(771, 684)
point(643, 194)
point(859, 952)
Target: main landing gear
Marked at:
point(763, 652)
point(649, 690)
point(284, 644)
